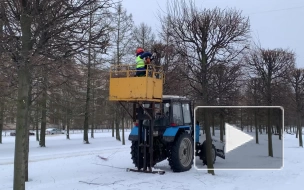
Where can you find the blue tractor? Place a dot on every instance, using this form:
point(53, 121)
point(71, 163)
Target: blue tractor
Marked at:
point(165, 130)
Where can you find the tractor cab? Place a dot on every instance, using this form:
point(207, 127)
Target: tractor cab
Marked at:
point(172, 112)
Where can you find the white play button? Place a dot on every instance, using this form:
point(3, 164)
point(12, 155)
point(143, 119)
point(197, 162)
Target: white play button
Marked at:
point(235, 137)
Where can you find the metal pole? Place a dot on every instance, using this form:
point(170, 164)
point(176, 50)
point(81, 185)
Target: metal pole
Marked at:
point(151, 130)
point(145, 149)
point(140, 124)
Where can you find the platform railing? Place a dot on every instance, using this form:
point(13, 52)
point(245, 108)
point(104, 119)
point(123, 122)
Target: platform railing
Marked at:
point(126, 71)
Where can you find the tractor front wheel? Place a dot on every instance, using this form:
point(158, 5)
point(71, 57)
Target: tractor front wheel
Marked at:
point(181, 153)
point(135, 154)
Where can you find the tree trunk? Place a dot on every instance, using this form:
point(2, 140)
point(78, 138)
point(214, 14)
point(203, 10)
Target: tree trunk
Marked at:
point(26, 155)
point(22, 102)
point(205, 102)
point(113, 124)
point(208, 143)
point(242, 119)
point(123, 131)
point(27, 148)
point(68, 125)
point(43, 110)
point(222, 123)
point(279, 131)
point(1, 117)
point(300, 137)
point(92, 130)
point(21, 127)
point(269, 123)
point(300, 132)
point(117, 129)
point(256, 127)
point(68, 121)
point(93, 114)
point(224, 128)
point(213, 128)
point(87, 107)
point(37, 121)
point(1, 98)
point(251, 125)
point(297, 124)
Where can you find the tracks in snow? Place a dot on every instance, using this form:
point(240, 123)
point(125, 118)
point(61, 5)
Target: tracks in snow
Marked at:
point(50, 156)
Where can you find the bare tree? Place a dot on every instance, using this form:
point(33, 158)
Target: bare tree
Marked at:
point(43, 106)
point(144, 36)
point(122, 35)
point(87, 105)
point(297, 82)
point(272, 66)
point(1, 117)
point(1, 62)
point(226, 85)
point(98, 38)
point(123, 52)
point(47, 28)
point(282, 95)
point(254, 96)
point(169, 58)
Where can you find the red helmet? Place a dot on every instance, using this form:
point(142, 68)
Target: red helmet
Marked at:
point(139, 50)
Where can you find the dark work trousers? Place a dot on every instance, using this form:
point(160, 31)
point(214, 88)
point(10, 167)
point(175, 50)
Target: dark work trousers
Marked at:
point(141, 71)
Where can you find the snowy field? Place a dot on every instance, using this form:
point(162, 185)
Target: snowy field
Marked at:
point(72, 165)
point(72, 131)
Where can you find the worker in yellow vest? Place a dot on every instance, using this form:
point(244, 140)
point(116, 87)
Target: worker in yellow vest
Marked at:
point(142, 59)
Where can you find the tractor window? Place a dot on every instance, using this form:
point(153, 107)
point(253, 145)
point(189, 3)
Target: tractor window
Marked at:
point(177, 113)
point(166, 110)
point(186, 113)
point(161, 115)
point(157, 109)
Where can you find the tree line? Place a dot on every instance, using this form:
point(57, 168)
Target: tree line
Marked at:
point(55, 58)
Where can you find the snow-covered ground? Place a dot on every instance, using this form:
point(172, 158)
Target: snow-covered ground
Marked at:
point(72, 131)
point(72, 165)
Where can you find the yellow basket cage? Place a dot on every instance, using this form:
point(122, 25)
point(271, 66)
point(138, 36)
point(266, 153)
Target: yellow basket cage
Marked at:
point(126, 86)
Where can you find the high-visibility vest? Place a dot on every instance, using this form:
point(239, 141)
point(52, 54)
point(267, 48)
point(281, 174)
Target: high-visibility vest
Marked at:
point(140, 63)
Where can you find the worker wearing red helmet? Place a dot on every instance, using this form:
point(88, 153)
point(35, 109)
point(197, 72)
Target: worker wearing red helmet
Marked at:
point(141, 67)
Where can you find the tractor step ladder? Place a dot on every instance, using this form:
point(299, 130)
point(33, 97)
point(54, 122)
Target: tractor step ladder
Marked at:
point(126, 87)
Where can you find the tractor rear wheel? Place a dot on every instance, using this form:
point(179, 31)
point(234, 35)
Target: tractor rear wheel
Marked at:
point(181, 153)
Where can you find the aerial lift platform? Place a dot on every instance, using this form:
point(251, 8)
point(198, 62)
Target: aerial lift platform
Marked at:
point(126, 87)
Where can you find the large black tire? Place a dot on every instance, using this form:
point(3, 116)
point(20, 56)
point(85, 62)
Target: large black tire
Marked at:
point(181, 153)
point(213, 153)
point(134, 154)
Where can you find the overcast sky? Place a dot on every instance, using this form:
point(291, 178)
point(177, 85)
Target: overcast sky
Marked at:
point(275, 23)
